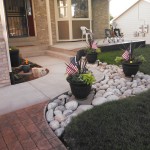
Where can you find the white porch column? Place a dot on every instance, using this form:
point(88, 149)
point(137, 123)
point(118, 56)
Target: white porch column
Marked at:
point(3, 21)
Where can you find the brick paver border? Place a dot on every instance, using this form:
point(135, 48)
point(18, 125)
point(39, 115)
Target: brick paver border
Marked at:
point(27, 129)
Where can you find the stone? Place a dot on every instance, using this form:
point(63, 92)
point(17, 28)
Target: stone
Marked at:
point(57, 101)
point(99, 101)
point(61, 108)
point(72, 105)
point(66, 122)
point(85, 107)
point(119, 87)
point(54, 124)
point(104, 87)
point(137, 91)
point(57, 112)
point(67, 112)
point(52, 105)
point(117, 92)
point(107, 94)
point(60, 118)
point(134, 85)
point(123, 89)
point(50, 115)
point(59, 132)
point(111, 82)
point(64, 97)
point(127, 92)
point(112, 98)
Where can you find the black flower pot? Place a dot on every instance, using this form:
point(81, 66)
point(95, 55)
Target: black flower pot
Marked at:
point(26, 68)
point(130, 69)
point(14, 57)
point(91, 58)
point(80, 91)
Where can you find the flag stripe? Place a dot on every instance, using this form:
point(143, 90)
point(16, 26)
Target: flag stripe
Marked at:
point(71, 69)
point(125, 55)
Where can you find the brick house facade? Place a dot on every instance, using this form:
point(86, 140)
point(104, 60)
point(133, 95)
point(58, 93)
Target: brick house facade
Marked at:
point(44, 17)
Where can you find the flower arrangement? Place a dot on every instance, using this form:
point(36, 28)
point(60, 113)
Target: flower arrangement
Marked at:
point(92, 47)
point(78, 73)
point(128, 57)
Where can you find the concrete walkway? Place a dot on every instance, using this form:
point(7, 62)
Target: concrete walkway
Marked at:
point(22, 95)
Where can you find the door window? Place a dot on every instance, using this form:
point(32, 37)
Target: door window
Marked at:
point(62, 8)
point(79, 8)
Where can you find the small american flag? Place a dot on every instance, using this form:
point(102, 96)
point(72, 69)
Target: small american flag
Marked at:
point(71, 69)
point(125, 55)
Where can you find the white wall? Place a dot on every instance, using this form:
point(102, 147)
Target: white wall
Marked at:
point(131, 20)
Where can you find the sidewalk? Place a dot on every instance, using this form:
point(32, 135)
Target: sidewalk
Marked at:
point(22, 95)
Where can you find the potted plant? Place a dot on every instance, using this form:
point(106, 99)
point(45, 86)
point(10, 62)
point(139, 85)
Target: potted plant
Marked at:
point(92, 51)
point(79, 78)
point(14, 56)
point(130, 63)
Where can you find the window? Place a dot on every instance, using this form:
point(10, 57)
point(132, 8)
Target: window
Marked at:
point(79, 9)
point(62, 8)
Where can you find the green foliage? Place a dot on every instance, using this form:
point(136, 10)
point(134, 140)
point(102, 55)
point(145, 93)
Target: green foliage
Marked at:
point(140, 59)
point(91, 50)
point(118, 59)
point(88, 78)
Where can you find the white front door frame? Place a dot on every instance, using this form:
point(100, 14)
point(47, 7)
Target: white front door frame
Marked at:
point(5, 35)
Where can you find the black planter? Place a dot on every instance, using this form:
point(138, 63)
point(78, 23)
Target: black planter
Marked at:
point(91, 58)
point(130, 69)
point(80, 91)
point(14, 57)
point(26, 68)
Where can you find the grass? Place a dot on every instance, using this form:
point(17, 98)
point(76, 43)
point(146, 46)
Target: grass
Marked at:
point(120, 125)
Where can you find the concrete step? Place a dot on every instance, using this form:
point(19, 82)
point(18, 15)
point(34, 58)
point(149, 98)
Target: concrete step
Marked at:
point(69, 52)
point(30, 51)
point(25, 41)
point(60, 55)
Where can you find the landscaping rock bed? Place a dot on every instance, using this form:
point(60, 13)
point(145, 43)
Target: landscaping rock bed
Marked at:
point(114, 87)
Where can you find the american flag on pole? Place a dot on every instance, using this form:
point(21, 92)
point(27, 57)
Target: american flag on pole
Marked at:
point(71, 69)
point(125, 55)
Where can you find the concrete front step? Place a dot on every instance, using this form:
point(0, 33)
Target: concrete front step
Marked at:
point(60, 55)
point(25, 41)
point(30, 51)
point(69, 52)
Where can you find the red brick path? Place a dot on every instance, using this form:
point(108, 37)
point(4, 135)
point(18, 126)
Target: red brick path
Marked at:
point(26, 129)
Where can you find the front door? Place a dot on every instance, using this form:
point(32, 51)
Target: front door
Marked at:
point(19, 18)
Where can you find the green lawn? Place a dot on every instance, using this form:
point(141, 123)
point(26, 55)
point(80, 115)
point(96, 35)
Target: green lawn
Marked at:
point(120, 125)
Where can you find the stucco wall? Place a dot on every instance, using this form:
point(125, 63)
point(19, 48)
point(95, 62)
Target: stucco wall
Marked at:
point(100, 17)
point(39, 8)
point(4, 69)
